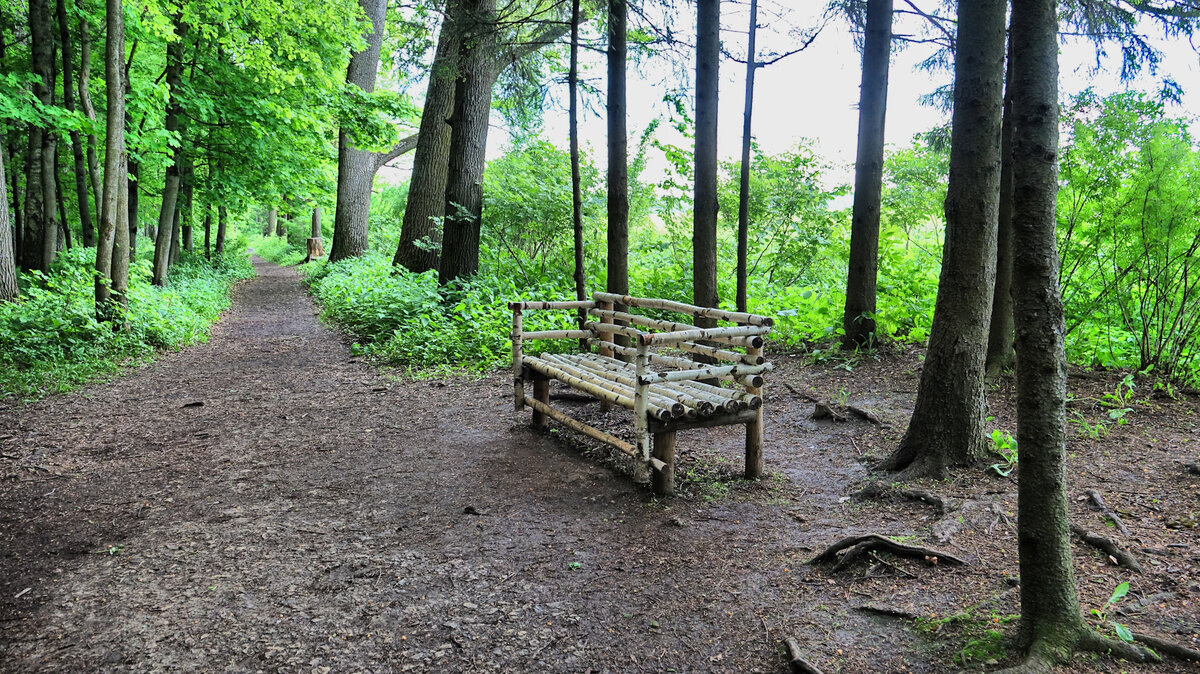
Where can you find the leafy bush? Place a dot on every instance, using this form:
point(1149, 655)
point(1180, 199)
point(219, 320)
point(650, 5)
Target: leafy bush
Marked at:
point(50, 340)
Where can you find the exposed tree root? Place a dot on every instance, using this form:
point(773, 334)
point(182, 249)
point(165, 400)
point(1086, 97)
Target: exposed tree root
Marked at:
point(1044, 654)
point(1109, 547)
point(866, 415)
point(1098, 501)
point(857, 547)
point(826, 411)
point(1194, 468)
point(1168, 648)
point(796, 659)
point(874, 490)
point(889, 611)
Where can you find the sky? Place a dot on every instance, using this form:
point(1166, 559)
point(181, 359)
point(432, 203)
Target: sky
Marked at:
point(814, 95)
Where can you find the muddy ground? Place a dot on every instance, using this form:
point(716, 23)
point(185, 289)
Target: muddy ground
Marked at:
point(266, 502)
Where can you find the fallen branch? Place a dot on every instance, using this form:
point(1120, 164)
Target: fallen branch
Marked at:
point(859, 545)
point(797, 662)
point(889, 611)
point(1167, 647)
point(1119, 556)
point(1098, 501)
point(864, 414)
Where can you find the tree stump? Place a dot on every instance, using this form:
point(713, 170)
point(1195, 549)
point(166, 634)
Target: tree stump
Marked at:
point(316, 249)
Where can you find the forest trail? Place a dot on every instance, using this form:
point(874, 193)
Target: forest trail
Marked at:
point(313, 514)
point(266, 501)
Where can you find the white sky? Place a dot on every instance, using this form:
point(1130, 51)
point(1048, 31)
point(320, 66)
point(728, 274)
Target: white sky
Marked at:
point(814, 95)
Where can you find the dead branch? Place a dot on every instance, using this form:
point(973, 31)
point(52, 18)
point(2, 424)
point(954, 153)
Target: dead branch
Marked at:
point(1167, 647)
point(860, 544)
point(1098, 501)
point(797, 662)
point(890, 611)
point(1119, 556)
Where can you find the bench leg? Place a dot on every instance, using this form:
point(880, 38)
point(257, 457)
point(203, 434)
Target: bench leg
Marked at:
point(754, 447)
point(664, 450)
point(541, 393)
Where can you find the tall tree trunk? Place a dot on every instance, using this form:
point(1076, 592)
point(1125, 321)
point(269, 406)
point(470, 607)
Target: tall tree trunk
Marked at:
point(1051, 625)
point(131, 201)
point(1000, 354)
point(41, 221)
point(743, 230)
point(112, 241)
point(87, 231)
point(15, 172)
point(222, 216)
point(188, 179)
point(272, 222)
point(858, 321)
point(618, 151)
point(64, 227)
point(356, 168)
point(85, 100)
point(576, 187)
point(176, 234)
point(168, 213)
point(704, 229)
point(8, 262)
point(208, 232)
point(419, 234)
point(468, 140)
point(316, 223)
point(947, 424)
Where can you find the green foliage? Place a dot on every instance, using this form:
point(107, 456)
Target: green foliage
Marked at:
point(1101, 614)
point(1003, 445)
point(50, 340)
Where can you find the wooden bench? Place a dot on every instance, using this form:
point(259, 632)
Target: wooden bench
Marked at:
point(642, 363)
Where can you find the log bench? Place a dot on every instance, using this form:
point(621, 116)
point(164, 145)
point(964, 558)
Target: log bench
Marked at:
point(668, 373)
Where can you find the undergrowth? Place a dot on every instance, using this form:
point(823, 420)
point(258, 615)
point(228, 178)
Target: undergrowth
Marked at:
point(50, 340)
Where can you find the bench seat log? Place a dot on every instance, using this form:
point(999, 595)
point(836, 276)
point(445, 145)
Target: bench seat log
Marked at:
point(684, 396)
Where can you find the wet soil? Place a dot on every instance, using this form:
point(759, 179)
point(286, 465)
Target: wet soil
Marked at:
point(267, 502)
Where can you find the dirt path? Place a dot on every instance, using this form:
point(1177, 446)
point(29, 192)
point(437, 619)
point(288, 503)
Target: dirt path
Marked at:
point(266, 502)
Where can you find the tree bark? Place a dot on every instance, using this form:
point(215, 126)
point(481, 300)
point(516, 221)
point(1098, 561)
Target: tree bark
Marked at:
point(168, 215)
point(112, 241)
point(420, 234)
point(704, 223)
point(18, 230)
point(858, 321)
point(947, 424)
point(618, 151)
point(131, 202)
point(468, 140)
point(41, 221)
point(87, 229)
point(1049, 604)
point(356, 168)
point(743, 230)
point(1000, 354)
point(576, 188)
point(176, 234)
point(187, 192)
point(222, 216)
point(272, 222)
point(8, 262)
point(208, 232)
point(85, 100)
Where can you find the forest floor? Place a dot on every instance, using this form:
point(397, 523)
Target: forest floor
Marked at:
point(267, 502)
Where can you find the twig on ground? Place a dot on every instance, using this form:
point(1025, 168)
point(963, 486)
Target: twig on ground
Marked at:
point(1098, 501)
point(797, 662)
point(1119, 556)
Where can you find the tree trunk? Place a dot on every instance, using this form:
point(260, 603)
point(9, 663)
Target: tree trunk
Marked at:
point(420, 234)
point(356, 168)
point(41, 222)
point(131, 200)
point(743, 230)
point(947, 424)
point(87, 230)
point(618, 151)
point(112, 241)
point(208, 232)
point(18, 230)
point(176, 234)
point(187, 192)
point(858, 321)
point(64, 228)
point(468, 140)
point(168, 212)
point(221, 225)
point(85, 100)
point(576, 188)
point(272, 222)
point(704, 230)
point(1000, 354)
point(8, 262)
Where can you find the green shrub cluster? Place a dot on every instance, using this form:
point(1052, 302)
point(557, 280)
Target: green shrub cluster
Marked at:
point(50, 340)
